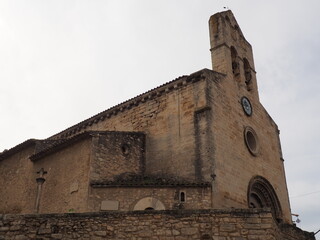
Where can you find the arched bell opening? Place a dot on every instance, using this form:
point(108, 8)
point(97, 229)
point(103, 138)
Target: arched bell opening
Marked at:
point(247, 74)
point(235, 63)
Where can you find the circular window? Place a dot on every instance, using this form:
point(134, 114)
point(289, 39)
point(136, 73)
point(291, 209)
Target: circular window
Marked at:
point(125, 148)
point(251, 140)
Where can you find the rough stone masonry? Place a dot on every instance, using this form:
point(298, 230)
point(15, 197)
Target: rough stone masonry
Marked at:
point(227, 224)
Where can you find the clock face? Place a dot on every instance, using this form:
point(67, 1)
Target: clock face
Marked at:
point(246, 105)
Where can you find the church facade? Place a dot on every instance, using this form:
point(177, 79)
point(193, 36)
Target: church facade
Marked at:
point(201, 141)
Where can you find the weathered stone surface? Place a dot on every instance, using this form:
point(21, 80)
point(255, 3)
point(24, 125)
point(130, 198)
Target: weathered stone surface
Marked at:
point(189, 231)
point(235, 224)
point(109, 205)
point(56, 236)
point(21, 237)
point(100, 233)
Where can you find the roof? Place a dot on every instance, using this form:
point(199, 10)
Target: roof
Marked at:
point(76, 132)
point(17, 148)
point(148, 181)
point(56, 145)
point(151, 94)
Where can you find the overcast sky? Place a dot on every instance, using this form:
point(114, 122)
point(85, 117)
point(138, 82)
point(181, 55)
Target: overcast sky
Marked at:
point(64, 61)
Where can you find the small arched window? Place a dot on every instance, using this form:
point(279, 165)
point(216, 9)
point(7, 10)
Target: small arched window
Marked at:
point(182, 197)
point(149, 209)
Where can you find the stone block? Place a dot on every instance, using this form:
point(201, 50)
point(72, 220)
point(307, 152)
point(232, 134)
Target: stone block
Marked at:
point(107, 205)
point(56, 236)
point(189, 231)
point(44, 231)
point(21, 237)
point(74, 187)
point(15, 228)
point(227, 227)
point(100, 233)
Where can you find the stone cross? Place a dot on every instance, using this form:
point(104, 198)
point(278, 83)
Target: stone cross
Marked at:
point(42, 172)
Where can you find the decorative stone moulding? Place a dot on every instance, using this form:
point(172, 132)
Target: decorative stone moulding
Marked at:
point(261, 194)
point(251, 140)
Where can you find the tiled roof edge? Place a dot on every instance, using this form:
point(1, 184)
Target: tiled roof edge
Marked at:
point(59, 145)
point(17, 148)
point(158, 91)
point(68, 141)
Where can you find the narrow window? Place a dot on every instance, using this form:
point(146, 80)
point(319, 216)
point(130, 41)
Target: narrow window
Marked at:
point(182, 197)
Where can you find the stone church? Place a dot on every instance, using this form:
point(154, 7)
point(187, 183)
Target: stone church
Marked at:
point(199, 142)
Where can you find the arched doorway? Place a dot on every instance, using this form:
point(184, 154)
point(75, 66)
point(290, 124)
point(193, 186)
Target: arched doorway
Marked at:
point(149, 203)
point(261, 194)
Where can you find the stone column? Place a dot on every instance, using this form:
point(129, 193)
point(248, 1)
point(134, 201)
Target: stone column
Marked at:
point(40, 180)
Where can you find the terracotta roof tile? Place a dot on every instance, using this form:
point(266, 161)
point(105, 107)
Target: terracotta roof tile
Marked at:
point(17, 148)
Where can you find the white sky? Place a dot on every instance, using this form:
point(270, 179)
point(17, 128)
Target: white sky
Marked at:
point(64, 61)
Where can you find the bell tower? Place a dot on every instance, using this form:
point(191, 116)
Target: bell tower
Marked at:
point(248, 163)
point(231, 53)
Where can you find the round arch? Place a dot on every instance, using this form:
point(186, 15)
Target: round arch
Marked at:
point(149, 203)
point(261, 194)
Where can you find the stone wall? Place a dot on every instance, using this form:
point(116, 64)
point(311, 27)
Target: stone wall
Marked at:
point(233, 224)
point(18, 183)
point(98, 156)
point(116, 154)
point(67, 178)
point(166, 116)
point(127, 197)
